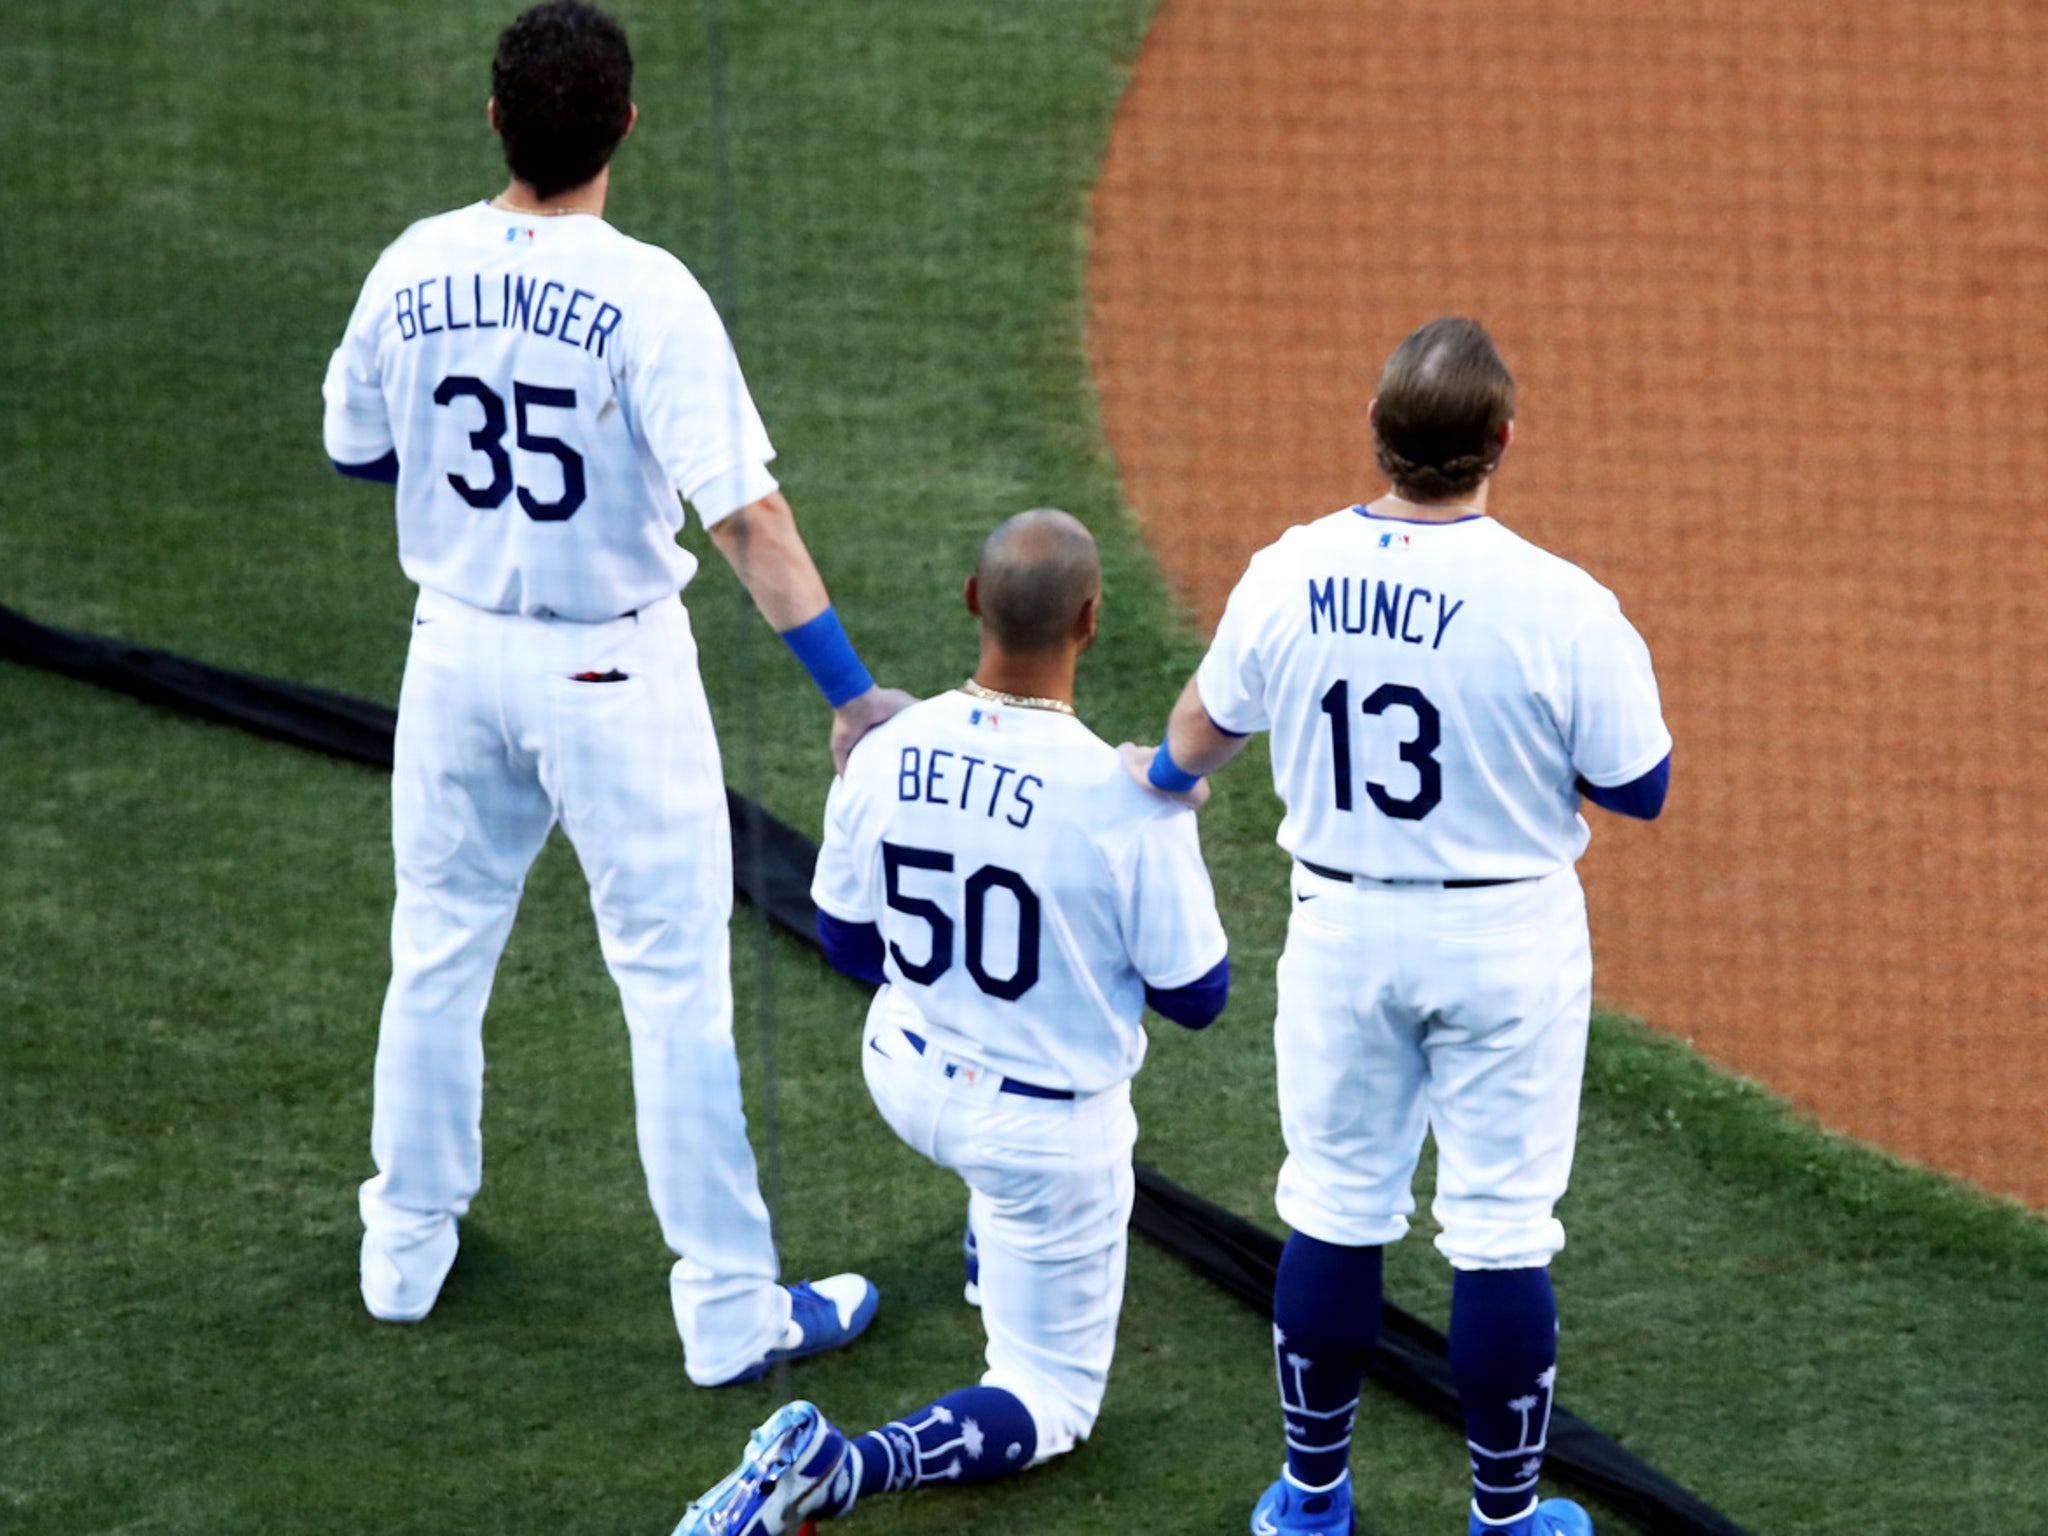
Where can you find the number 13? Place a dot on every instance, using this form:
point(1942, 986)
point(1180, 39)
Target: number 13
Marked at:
point(1419, 750)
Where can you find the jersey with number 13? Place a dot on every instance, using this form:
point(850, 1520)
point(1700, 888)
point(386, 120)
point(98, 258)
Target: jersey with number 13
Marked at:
point(1434, 691)
point(548, 385)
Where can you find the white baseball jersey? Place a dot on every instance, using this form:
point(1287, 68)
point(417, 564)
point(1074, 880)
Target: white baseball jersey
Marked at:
point(1026, 890)
point(1433, 691)
point(549, 386)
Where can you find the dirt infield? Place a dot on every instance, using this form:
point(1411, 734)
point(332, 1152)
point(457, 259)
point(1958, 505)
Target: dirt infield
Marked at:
point(1774, 281)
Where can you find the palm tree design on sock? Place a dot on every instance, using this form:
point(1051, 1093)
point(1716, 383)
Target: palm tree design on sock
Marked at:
point(1513, 1468)
point(913, 1461)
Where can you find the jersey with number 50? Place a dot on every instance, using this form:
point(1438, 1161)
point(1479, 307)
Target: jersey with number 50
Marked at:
point(1025, 889)
point(548, 385)
point(1434, 691)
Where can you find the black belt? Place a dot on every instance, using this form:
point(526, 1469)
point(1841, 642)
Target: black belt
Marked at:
point(1348, 878)
point(1009, 1084)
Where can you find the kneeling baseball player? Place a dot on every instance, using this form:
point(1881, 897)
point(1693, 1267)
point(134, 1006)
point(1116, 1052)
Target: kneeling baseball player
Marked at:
point(1020, 901)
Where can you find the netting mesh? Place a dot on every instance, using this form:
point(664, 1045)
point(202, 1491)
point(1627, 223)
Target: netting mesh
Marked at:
point(1771, 279)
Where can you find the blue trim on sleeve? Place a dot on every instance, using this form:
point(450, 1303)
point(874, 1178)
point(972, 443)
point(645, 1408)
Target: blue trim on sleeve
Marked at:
point(384, 471)
point(1224, 730)
point(821, 645)
point(852, 949)
point(1196, 1005)
point(1641, 798)
point(1168, 775)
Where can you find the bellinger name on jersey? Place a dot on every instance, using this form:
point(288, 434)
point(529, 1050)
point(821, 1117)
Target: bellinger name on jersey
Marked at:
point(1367, 607)
point(931, 775)
point(540, 308)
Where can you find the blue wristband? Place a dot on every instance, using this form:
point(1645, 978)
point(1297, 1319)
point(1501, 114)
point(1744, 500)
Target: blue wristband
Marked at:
point(1168, 775)
point(821, 645)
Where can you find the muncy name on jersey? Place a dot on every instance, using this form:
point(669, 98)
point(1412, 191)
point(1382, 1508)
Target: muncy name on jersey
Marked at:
point(1418, 616)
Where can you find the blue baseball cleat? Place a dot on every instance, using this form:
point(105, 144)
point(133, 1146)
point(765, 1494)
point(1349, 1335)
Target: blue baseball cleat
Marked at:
point(823, 1314)
point(1553, 1517)
point(971, 1253)
point(1289, 1509)
point(795, 1467)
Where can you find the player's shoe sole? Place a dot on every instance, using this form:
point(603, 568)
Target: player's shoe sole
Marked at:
point(823, 1314)
point(1285, 1510)
point(402, 1273)
point(785, 1474)
point(1553, 1517)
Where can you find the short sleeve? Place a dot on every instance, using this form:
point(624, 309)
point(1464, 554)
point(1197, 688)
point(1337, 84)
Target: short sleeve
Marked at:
point(839, 883)
point(1168, 907)
point(356, 424)
point(1617, 731)
point(1232, 676)
point(693, 405)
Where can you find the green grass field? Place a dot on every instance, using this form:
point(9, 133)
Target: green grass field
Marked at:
point(192, 922)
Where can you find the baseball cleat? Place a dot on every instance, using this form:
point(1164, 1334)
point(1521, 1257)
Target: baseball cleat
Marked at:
point(823, 1314)
point(1286, 1509)
point(1553, 1517)
point(402, 1272)
point(787, 1475)
point(972, 1254)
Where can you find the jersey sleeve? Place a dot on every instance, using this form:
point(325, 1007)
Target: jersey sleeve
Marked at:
point(693, 404)
point(1232, 677)
point(1168, 907)
point(356, 423)
point(1617, 731)
point(839, 883)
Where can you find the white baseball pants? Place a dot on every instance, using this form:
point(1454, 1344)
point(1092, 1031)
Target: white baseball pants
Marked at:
point(1050, 1190)
point(496, 741)
point(1460, 1013)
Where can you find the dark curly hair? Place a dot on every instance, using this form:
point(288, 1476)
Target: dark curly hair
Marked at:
point(1443, 398)
point(563, 83)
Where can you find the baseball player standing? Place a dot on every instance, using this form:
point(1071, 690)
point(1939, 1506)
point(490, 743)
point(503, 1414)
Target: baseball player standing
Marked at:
point(1441, 695)
point(988, 861)
point(540, 388)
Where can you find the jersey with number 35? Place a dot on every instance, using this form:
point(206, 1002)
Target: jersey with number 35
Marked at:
point(1026, 890)
point(549, 385)
point(1434, 691)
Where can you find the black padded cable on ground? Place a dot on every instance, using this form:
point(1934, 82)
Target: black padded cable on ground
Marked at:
point(1411, 1358)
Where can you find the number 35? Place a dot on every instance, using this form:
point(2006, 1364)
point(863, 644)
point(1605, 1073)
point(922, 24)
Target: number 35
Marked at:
point(489, 440)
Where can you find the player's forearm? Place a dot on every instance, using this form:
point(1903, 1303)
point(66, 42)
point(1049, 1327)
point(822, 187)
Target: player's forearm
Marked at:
point(1198, 744)
point(763, 546)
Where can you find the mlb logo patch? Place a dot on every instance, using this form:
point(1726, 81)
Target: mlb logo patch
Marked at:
point(513, 234)
point(987, 717)
point(1393, 541)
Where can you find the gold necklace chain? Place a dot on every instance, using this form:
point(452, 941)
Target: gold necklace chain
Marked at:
point(1020, 700)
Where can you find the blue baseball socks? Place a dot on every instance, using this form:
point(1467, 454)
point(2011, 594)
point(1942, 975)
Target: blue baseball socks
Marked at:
point(1504, 1356)
point(973, 1435)
point(1326, 1319)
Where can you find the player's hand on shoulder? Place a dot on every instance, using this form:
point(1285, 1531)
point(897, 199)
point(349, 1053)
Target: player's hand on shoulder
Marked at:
point(1137, 763)
point(857, 716)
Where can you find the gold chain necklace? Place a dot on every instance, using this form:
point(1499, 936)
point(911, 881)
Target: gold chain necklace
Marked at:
point(1021, 701)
